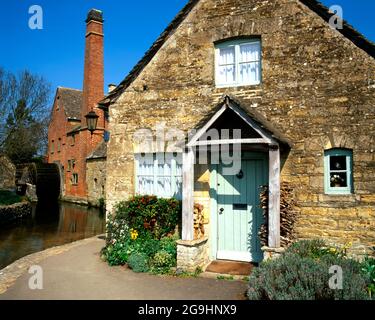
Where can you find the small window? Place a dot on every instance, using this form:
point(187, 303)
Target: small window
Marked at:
point(238, 63)
point(72, 140)
point(338, 171)
point(52, 146)
point(59, 145)
point(71, 165)
point(159, 175)
point(74, 179)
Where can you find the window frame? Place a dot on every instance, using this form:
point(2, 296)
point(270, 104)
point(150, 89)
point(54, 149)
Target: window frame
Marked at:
point(348, 154)
point(74, 181)
point(71, 165)
point(173, 175)
point(237, 43)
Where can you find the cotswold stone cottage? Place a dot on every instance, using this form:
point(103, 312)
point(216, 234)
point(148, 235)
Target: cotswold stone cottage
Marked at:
point(80, 155)
point(300, 93)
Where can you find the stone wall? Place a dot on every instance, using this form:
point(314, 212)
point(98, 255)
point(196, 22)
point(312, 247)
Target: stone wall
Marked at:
point(7, 173)
point(9, 214)
point(317, 88)
point(96, 180)
point(192, 255)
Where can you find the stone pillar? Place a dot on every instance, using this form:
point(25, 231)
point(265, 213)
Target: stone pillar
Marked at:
point(192, 254)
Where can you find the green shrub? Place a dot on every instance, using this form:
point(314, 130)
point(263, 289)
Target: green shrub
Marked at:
point(302, 273)
point(162, 262)
point(169, 245)
point(116, 254)
point(305, 265)
point(9, 197)
point(149, 214)
point(368, 269)
point(138, 262)
point(143, 225)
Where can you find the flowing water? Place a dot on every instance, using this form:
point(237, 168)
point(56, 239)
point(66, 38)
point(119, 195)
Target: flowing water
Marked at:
point(51, 225)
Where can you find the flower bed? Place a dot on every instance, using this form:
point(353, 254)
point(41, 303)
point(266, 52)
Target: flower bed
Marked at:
point(142, 233)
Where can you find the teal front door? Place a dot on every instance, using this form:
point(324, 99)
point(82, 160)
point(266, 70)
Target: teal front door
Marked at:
point(239, 216)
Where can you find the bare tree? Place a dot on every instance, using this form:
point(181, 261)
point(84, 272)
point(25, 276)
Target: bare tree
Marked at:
point(24, 113)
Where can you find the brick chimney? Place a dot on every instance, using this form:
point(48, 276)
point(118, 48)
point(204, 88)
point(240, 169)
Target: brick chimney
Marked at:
point(93, 92)
point(93, 81)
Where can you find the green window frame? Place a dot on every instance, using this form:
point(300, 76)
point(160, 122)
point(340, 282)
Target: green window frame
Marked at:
point(338, 171)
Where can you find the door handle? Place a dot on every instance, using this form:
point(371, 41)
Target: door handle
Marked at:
point(221, 210)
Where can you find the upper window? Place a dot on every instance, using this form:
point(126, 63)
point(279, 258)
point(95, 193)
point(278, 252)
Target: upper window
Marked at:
point(159, 175)
point(338, 171)
point(238, 63)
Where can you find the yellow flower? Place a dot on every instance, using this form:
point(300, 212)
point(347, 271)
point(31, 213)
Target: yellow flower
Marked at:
point(133, 234)
point(333, 250)
point(348, 245)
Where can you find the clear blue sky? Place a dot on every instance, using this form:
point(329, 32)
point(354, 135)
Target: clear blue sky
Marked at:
point(56, 52)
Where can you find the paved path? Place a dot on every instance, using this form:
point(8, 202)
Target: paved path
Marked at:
point(76, 272)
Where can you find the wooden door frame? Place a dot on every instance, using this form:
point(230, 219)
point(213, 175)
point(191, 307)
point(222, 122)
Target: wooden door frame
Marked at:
point(267, 139)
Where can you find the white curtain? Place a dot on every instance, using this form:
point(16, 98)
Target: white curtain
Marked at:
point(249, 61)
point(227, 66)
point(159, 177)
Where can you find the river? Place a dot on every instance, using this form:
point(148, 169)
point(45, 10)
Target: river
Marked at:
point(51, 225)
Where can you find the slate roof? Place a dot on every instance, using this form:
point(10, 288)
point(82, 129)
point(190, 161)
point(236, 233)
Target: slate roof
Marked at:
point(348, 31)
point(71, 101)
point(100, 152)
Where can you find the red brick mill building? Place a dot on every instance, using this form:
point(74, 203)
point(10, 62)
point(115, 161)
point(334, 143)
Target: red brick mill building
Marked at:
point(79, 154)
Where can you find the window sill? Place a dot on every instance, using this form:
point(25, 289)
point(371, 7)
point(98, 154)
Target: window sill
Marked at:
point(237, 85)
point(342, 197)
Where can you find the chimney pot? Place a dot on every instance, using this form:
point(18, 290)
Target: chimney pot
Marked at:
point(111, 87)
point(95, 15)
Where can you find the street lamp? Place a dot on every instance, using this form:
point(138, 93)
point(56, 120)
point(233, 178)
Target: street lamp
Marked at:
point(92, 121)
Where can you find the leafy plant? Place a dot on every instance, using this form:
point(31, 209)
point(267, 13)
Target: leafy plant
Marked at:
point(162, 262)
point(138, 262)
point(292, 277)
point(149, 214)
point(145, 226)
point(302, 273)
point(368, 269)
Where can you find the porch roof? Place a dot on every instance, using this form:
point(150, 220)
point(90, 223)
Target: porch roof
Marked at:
point(254, 119)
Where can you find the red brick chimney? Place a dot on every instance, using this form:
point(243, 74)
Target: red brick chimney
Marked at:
point(93, 92)
point(93, 81)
